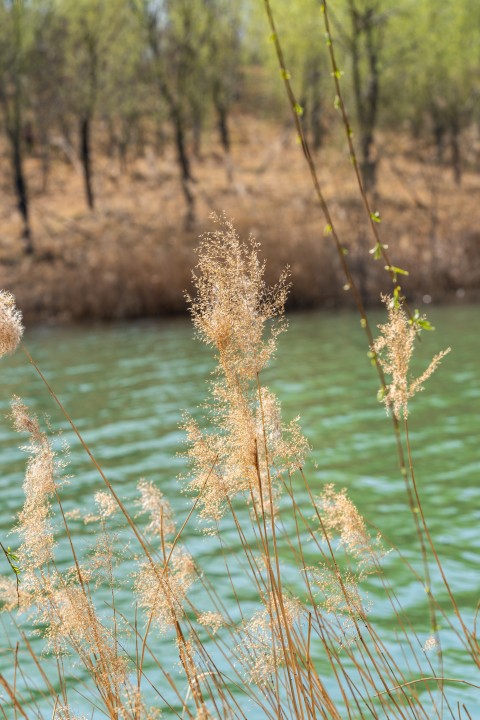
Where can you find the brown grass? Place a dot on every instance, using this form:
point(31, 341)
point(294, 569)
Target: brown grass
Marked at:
point(132, 256)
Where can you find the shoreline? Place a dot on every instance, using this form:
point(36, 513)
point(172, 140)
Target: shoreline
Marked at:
point(132, 257)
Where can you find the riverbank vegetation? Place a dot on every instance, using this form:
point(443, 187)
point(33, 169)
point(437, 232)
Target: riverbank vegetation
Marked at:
point(126, 124)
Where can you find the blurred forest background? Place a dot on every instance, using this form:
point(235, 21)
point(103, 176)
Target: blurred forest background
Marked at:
point(124, 123)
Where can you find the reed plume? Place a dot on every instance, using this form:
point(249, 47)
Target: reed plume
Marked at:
point(34, 523)
point(61, 602)
point(161, 589)
point(237, 314)
point(394, 349)
point(261, 648)
point(153, 502)
point(11, 328)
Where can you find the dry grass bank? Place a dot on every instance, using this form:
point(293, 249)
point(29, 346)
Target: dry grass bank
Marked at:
point(132, 256)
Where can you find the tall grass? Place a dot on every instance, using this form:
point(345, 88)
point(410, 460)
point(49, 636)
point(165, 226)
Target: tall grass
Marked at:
point(302, 644)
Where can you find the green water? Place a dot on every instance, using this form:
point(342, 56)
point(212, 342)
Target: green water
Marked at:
point(127, 386)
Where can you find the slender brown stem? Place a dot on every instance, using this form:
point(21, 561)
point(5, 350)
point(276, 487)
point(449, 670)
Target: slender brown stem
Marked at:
point(433, 678)
point(468, 635)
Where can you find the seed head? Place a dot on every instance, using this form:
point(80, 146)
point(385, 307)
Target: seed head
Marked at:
point(234, 311)
point(341, 517)
point(212, 620)
point(233, 304)
point(431, 643)
point(162, 590)
point(154, 503)
point(261, 649)
point(394, 350)
point(106, 504)
point(11, 328)
point(39, 485)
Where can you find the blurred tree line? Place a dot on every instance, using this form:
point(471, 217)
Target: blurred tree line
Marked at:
point(79, 77)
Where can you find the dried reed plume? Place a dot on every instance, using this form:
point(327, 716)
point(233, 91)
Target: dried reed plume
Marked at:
point(341, 592)
point(153, 502)
point(12, 595)
point(72, 622)
point(233, 304)
point(235, 312)
point(212, 620)
point(261, 649)
point(61, 603)
point(161, 589)
point(431, 643)
point(339, 588)
point(34, 525)
point(63, 712)
point(106, 505)
point(11, 328)
point(341, 517)
point(394, 350)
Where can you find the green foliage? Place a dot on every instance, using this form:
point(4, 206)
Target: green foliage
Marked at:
point(394, 270)
point(77, 56)
point(397, 297)
point(431, 70)
point(132, 66)
point(12, 559)
point(420, 322)
point(377, 250)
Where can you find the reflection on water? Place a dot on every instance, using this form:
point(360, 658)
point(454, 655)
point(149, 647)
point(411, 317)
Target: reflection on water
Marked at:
point(127, 387)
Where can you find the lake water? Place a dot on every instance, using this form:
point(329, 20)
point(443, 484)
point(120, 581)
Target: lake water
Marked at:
point(128, 385)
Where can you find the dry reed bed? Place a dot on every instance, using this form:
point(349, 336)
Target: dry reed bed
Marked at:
point(131, 257)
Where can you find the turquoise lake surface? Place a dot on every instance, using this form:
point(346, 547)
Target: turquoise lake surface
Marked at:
point(127, 386)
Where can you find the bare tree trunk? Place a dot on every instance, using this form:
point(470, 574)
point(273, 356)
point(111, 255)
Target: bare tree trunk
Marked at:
point(369, 163)
point(177, 120)
point(124, 143)
point(316, 121)
point(223, 129)
point(44, 157)
point(182, 155)
point(13, 126)
point(21, 187)
point(85, 156)
point(455, 148)
point(184, 163)
point(12, 108)
point(224, 132)
point(439, 130)
point(313, 105)
point(366, 90)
